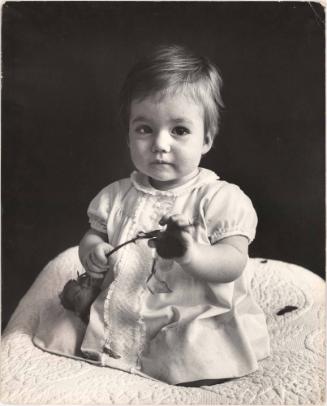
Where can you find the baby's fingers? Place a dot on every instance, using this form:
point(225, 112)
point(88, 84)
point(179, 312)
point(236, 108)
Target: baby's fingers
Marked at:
point(97, 261)
point(96, 275)
point(164, 220)
point(99, 255)
point(94, 270)
point(176, 220)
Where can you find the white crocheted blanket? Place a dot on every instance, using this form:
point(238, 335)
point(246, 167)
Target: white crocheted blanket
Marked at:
point(293, 374)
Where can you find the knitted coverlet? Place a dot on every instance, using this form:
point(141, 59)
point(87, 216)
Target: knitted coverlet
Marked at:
point(293, 374)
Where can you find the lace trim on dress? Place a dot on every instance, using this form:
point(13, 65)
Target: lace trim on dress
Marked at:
point(223, 233)
point(141, 183)
point(142, 331)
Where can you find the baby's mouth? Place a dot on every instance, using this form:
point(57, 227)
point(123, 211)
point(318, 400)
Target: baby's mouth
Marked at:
point(161, 162)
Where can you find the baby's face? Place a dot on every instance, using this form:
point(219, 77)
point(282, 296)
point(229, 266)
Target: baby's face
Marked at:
point(167, 139)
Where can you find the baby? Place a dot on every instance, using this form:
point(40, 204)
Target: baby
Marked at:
point(177, 307)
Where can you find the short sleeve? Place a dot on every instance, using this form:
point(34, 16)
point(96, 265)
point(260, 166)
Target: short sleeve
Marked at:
point(230, 212)
point(98, 210)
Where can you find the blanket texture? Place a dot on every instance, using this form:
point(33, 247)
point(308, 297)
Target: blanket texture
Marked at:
point(293, 374)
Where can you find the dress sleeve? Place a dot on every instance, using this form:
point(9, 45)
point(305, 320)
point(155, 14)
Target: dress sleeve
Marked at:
point(98, 210)
point(230, 212)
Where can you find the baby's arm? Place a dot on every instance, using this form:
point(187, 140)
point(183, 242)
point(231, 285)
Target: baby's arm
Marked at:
point(219, 263)
point(92, 253)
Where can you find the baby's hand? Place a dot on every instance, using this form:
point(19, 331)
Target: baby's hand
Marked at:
point(176, 241)
point(96, 261)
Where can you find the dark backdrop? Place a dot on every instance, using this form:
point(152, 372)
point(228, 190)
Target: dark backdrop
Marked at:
point(63, 64)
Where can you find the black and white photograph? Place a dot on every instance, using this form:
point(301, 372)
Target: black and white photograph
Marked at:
point(163, 203)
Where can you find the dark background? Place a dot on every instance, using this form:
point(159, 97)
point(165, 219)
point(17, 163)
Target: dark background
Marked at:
point(62, 66)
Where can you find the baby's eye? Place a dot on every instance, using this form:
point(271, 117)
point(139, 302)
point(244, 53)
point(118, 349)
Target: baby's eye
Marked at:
point(143, 129)
point(180, 131)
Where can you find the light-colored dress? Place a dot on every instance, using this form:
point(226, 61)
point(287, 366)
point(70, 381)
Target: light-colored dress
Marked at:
point(171, 326)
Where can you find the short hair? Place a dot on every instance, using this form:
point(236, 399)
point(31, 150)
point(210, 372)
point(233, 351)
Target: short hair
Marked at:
point(171, 69)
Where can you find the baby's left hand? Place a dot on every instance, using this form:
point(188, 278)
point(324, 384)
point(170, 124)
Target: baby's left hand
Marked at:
point(176, 241)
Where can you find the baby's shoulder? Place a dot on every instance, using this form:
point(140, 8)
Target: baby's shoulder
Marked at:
point(224, 197)
point(115, 189)
point(226, 210)
point(110, 196)
point(220, 189)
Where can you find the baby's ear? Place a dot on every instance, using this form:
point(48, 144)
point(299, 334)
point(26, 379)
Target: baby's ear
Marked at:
point(207, 143)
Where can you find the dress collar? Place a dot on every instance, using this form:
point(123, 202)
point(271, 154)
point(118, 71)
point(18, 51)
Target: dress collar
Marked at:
point(141, 183)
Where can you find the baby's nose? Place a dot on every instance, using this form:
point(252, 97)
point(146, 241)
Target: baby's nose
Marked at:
point(162, 142)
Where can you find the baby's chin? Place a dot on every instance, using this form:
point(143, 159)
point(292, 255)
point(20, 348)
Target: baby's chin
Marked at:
point(166, 182)
point(160, 179)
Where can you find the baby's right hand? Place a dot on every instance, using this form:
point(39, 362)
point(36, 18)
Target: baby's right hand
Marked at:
point(96, 261)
